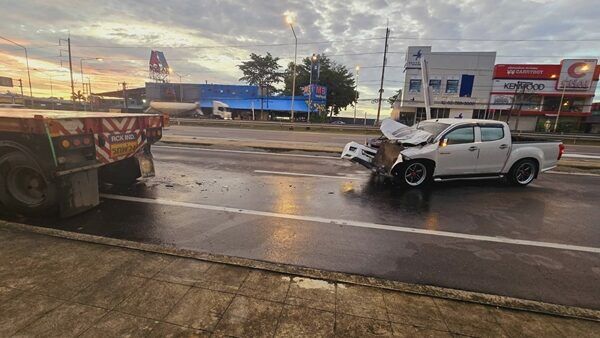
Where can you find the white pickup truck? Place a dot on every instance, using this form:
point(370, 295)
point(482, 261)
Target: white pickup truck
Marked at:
point(445, 149)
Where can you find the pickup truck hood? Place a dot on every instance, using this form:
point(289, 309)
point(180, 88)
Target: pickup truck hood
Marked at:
point(397, 131)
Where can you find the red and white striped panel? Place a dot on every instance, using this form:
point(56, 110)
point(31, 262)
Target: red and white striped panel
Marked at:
point(118, 124)
point(66, 127)
point(103, 153)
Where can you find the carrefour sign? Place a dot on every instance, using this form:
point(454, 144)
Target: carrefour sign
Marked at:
point(576, 74)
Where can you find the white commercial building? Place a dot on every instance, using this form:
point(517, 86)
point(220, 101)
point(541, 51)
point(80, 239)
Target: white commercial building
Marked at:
point(460, 84)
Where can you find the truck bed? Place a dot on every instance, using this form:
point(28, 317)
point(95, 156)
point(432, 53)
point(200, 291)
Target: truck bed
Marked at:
point(60, 114)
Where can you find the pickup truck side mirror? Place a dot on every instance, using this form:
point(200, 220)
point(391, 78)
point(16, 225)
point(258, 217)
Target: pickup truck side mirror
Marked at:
point(443, 142)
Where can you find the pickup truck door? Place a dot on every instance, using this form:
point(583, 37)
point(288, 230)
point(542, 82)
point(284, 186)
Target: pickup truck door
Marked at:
point(493, 148)
point(457, 152)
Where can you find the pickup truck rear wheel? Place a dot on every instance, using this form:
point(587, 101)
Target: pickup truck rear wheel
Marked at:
point(414, 174)
point(523, 172)
point(23, 187)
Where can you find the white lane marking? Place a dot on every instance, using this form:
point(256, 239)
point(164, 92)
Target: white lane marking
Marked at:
point(358, 224)
point(250, 152)
point(571, 155)
point(286, 173)
point(568, 173)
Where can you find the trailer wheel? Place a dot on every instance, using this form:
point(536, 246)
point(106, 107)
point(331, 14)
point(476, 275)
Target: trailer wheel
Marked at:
point(124, 172)
point(23, 187)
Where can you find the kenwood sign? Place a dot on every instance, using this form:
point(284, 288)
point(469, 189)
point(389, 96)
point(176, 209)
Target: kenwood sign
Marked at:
point(506, 86)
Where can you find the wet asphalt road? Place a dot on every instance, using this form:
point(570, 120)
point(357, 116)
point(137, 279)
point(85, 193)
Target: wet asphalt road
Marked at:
point(302, 136)
point(554, 209)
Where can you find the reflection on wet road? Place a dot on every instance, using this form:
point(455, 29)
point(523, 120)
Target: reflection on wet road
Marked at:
point(258, 206)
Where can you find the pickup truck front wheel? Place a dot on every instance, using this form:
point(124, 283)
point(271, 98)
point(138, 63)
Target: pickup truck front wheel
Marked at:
point(414, 174)
point(523, 172)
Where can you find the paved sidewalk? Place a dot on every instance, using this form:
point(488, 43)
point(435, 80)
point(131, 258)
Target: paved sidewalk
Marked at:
point(57, 287)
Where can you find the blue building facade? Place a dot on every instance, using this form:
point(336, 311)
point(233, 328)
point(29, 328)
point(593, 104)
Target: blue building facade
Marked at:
point(241, 99)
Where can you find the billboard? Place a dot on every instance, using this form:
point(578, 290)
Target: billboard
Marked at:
point(6, 81)
point(515, 71)
point(158, 66)
point(576, 74)
point(319, 93)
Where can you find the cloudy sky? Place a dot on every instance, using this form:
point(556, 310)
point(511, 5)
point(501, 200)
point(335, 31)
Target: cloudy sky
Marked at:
point(205, 40)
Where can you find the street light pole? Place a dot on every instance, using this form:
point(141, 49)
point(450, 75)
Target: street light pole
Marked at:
point(51, 89)
point(356, 97)
point(290, 22)
point(82, 79)
point(310, 88)
point(27, 63)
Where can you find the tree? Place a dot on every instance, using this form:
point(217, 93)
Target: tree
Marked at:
point(395, 97)
point(262, 71)
point(341, 88)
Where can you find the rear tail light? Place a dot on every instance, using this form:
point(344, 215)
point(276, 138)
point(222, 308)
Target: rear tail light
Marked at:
point(66, 144)
point(561, 151)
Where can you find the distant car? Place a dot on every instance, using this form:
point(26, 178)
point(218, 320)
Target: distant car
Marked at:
point(338, 122)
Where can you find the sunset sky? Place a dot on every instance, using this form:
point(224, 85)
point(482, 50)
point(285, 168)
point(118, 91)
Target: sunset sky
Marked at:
point(205, 40)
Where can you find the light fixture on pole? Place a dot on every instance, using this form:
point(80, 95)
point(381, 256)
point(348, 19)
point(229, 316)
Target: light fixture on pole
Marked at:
point(290, 20)
point(27, 63)
point(81, 70)
point(356, 97)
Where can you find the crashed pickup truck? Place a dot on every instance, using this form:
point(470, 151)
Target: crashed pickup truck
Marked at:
point(445, 149)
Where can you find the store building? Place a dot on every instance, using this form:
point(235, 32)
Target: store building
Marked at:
point(460, 84)
point(530, 96)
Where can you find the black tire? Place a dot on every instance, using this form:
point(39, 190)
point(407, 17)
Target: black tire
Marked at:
point(123, 173)
point(23, 187)
point(414, 174)
point(523, 172)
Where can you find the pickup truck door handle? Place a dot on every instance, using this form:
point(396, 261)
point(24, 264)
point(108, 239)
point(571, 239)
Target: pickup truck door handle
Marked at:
point(473, 148)
point(503, 146)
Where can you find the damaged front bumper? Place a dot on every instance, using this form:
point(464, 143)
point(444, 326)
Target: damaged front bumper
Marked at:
point(381, 160)
point(358, 153)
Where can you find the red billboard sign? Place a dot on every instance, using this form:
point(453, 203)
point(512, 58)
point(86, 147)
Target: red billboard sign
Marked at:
point(524, 71)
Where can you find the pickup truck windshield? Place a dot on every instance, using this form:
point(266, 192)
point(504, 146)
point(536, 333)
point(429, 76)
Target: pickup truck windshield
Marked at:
point(434, 128)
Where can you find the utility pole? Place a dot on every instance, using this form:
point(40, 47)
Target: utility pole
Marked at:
point(21, 86)
point(125, 96)
point(562, 98)
point(70, 66)
point(520, 108)
point(356, 96)
point(89, 87)
point(387, 35)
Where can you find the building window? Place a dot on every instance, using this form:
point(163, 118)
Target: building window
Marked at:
point(414, 86)
point(479, 114)
point(440, 113)
point(436, 86)
point(451, 86)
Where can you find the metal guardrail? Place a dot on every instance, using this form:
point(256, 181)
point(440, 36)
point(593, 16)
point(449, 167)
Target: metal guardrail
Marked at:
point(271, 124)
point(559, 136)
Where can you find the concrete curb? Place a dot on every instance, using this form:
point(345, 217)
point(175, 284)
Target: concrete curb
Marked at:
point(428, 290)
point(266, 145)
